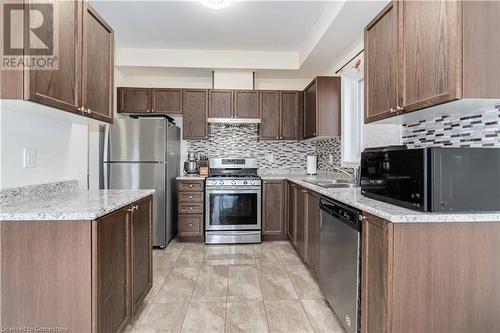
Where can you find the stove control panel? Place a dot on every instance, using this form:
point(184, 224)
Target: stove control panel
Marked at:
point(233, 182)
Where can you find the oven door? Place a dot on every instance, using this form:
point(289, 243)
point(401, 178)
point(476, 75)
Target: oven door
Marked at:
point(233, 209)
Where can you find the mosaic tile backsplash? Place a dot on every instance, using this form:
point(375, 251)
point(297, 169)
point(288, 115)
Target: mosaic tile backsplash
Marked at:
point(481, 129)
point(243, 141)
point(324, 149)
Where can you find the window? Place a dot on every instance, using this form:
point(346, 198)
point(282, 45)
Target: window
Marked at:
point(353, 94)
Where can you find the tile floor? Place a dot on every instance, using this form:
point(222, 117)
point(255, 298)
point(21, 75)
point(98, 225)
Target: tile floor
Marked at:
point(233, 288)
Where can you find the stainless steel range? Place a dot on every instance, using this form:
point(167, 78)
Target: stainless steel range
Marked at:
point(233, 202)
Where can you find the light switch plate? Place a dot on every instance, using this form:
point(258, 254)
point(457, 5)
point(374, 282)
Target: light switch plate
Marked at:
point(29, 158)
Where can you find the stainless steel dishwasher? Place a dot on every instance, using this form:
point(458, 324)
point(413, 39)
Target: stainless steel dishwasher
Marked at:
point(339, 272)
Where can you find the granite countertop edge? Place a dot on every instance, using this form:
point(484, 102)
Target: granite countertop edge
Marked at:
point(195, 177)
point(80, 205)
point(386, 211)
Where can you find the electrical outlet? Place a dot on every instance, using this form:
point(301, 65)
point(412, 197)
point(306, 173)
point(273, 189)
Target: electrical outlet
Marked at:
point(29, 158)
point(270, 158)
point(330, 158)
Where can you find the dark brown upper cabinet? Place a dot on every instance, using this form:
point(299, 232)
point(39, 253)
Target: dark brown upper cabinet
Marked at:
point(221, 104)
point(280, 115)
point(194, 110)
point(424, 54)
point(246, 104)
point(381, 56)
point(322, 107)
point(273, 210)
point(269, 114)
point(98, 66)
point(134, 100)
point(290, 115)
point(83, 81)
point(149, 100)
point(167, 101)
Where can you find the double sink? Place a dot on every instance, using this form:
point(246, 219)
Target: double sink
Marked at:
point(331, 183)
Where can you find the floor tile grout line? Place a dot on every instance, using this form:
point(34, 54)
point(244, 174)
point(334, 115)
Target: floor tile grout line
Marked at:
point(190, 298)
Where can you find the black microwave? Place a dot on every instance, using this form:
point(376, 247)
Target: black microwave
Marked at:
point(434, 179)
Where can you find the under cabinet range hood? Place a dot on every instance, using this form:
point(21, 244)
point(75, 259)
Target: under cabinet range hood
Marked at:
point(234, 121)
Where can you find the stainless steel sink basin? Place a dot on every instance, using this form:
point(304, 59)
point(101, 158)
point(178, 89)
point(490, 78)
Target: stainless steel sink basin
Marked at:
point(331, 183)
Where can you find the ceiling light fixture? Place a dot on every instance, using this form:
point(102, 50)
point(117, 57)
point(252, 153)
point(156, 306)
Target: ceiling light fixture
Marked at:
point(216, 4)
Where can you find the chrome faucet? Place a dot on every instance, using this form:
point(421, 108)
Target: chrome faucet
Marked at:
point(353, 176)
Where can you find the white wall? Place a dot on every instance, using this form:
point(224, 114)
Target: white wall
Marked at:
point(61, 147)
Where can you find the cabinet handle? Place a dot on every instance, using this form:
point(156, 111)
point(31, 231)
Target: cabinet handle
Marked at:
point(392, 110)
point(89, 111)
point(81, 109)
point(190, 208)
point(277, 137)
point(130, 210)
point(292, 185)
point(153, 110)
point(398, 108)
point(304, 191)
point(136, 207)
point(190, 197)
point(190, 224)
point(190, 185)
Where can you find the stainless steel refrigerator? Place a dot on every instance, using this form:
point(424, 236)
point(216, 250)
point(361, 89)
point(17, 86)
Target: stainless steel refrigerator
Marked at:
point(143, 153)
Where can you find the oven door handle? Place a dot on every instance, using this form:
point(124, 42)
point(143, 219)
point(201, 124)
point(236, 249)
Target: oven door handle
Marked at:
point(232, 191)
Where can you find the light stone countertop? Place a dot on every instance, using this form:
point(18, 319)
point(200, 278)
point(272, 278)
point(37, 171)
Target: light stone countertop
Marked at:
point(393, 213)
point(73, 205)
point(193, 177)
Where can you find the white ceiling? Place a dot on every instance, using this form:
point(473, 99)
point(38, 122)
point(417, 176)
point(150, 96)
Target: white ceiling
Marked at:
point(244, 25)
point(292, 39)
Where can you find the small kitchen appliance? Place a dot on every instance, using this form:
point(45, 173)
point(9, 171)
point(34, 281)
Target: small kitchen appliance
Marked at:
point(191, 166)
point(434, 179)
point(233, 201)
point(311, 164)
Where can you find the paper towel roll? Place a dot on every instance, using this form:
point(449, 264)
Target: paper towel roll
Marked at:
point(311, 165)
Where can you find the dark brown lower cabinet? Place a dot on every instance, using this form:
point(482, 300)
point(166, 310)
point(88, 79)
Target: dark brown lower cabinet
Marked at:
point(80, 276)
point(112, 266)
point(300, 232)
point(142, 260)
point(273, 210)
point(430, 277)
point(292, 211)
point(190, 209)
point(312, 243)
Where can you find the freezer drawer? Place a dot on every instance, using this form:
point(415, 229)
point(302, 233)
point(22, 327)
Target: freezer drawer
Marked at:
point(143, 176)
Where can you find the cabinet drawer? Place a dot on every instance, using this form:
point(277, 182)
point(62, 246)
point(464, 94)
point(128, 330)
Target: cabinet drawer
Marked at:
point(191, 197)
point(190, 208)
point(191, 185)
point(192, 224)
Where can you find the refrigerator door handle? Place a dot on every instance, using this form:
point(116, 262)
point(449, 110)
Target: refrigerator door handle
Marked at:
point(106, 145)
point(106, 176)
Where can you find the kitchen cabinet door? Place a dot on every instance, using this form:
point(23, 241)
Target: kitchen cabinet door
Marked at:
point(290, 115)
point(167, 101)
point(381, 64)
point(269, 114)
point(221, 104)
point(313, 220)
point(376, 256)
point(134, 100)
point(194, 114)
point(300, 236)
point(273, 213)
point(430, 52)
point(98, 66)
point(310, 111)
point(246, 104)
point(60, 88)
point(112, 267)
point(292, 212)
point(142, 264)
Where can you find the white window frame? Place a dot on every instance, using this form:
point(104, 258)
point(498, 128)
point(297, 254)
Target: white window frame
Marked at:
point(352, 111)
